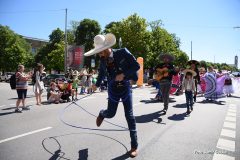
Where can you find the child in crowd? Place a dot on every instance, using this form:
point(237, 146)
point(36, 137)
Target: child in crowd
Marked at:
point(228, 87)
point(66, 89)
point(53, 94)
point(75, 85)
point(189, 86)
point(90, 83)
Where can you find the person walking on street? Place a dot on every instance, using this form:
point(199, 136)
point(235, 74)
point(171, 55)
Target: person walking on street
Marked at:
point(38, 83)
point(190, 88)
point(194, 66)
point(121, 67)
point(21, 87)
point(164, 74)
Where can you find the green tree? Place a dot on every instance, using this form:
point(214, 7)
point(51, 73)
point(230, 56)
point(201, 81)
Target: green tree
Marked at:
point(70, 37)
point(56, 57)
point(181, 58)
point(161, 41)
point(145, 42)
point(85, 33)
point(52, 54)
point(74, 26)
point(56, 36)
point(203, 64)
point(133, 32)
point(14, 50)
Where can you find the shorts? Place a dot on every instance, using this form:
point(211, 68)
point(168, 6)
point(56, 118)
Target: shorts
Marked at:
point(75, 89)
point(22, 93)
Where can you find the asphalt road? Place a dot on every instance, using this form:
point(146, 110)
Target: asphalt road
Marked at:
point(210, 132)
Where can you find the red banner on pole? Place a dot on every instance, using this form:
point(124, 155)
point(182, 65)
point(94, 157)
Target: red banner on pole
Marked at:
point(75, 57)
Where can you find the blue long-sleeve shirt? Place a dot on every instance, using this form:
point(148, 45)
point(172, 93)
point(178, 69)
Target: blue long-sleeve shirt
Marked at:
point(123, 62)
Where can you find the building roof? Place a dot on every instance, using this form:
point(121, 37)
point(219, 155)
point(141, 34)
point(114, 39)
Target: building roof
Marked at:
point(35, 39)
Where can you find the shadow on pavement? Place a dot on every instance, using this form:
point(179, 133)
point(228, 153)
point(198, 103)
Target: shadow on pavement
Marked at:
point(56, 155)
point(171, 100)
point(180, 105)
point(6, 113)
point(122, 157)
point(9, 108)
point(233, 96)
point(146, 118)
point(178, 117)
point(150, 101)
point(212, 101)
point(83, 154)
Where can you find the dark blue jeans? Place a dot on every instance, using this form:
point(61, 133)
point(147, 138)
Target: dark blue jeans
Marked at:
point(128, 109)
point(189, 99)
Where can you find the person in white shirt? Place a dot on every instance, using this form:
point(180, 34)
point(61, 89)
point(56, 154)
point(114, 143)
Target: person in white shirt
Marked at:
point(38, 83)
point(189, 86)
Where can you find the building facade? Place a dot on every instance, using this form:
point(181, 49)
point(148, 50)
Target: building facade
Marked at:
point(35, 43)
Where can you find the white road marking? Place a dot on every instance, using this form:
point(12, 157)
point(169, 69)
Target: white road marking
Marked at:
point(222, 157)
point(232, 105)
point(229, 125)
point(231, 119)
point(230, 114)
point(2, 106)
point(12, 104)
point(137, 104)
point(225, 144)
point(25, 134)
point(228, 133)
point(232, 110)
point(229, 130)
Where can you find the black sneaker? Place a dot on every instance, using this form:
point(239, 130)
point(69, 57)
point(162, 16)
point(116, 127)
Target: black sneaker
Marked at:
point(25, 108)
point(18, 110)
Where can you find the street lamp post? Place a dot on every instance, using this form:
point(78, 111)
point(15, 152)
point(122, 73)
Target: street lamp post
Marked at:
point(65, 40)
point(191, 50)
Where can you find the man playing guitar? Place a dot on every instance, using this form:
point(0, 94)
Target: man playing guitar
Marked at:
point(164, 74)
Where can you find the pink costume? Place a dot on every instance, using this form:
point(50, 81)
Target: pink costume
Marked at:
point(203, 83)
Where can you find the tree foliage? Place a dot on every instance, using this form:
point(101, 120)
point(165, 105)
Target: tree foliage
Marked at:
point(147, 39)
point(52, 54)
point(14, 50)
point(133, 32)
point(85, 33)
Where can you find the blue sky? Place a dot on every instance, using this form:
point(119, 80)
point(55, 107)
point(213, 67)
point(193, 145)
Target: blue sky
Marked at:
point(207, 23)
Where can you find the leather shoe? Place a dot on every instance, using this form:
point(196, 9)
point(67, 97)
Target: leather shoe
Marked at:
point(164, 111)
point(99, 121)
point(133, 153)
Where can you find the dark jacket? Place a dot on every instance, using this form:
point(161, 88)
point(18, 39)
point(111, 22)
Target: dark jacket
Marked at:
point(170, 68)
point(123, 62)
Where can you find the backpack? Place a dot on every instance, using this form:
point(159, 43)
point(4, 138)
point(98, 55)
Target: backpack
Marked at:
point(34, 78)
point(13, 81)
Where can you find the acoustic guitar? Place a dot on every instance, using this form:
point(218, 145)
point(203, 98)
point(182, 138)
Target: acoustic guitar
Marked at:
point(161, 73)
